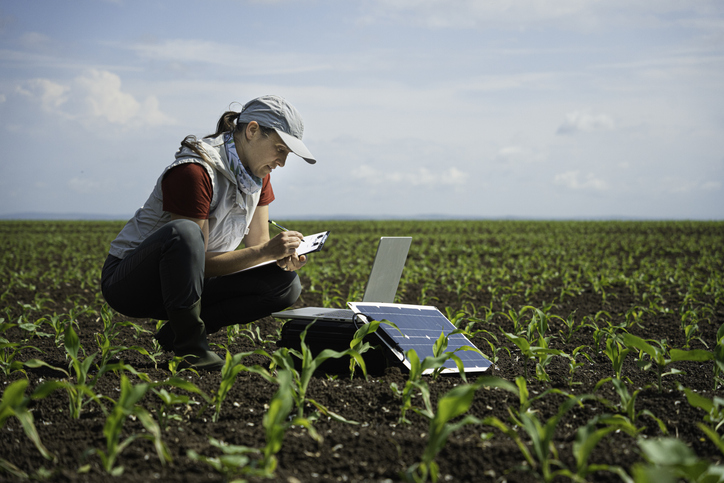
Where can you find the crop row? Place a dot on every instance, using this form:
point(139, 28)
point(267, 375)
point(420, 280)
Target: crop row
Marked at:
point(544, 297)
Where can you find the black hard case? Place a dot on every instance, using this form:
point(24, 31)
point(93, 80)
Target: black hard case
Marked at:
point(335, 335)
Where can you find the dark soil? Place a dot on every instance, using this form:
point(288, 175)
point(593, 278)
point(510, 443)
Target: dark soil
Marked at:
point(378, 448)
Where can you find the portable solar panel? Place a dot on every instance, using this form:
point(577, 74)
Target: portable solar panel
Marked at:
point(419, 328)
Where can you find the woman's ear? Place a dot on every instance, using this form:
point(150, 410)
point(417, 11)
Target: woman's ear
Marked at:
point(251, 129)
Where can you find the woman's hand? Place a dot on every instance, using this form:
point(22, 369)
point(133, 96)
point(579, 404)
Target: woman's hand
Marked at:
point(283, 248)
point(283, 245)
point(292, 262)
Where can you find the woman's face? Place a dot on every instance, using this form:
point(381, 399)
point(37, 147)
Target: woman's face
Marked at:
point(259, 153)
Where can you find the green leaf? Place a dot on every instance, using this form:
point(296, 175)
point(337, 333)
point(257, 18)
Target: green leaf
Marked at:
point(47, 387)
point(499, 382)
point(667, 451)
point(640, 344)
point(455, 402)
point(697, 355)
point(587, 437)
point(715, 437)
point(36, 363)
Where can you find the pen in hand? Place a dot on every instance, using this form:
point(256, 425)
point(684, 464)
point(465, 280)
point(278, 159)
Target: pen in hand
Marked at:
point(302, 258)
point(272, 222)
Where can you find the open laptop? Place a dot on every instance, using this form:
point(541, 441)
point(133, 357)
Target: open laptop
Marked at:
point(381, 284)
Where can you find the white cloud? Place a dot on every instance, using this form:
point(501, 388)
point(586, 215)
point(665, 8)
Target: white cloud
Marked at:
point(578, 121)
point(527, 14)
point(518, 154)
point(3, 98)
point(95, 95)
point(473, 13)
point(35, 40)
point(180, 52)
point(573, 180)
point(51, 95)
point(679, 185)
point(104, 97)
point(419, 177)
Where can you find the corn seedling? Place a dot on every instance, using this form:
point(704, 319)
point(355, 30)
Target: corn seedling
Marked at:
point(451, 405)
point(235, 460)
point(248, 331)
point(127, 406)
point(176, 366)
point(14, 403)
point(690, 326)
point(574, 364)
point(155, 353)
point(713, 408)
point(168, 400)
point(231, 369)
point(111, 330)
point(81, 392)
point(414, 383)
point(587, 437)
point(671, 460)
point(516, 319)
point(435, 364)
point(32, 329)
point(715, 437)
point(530, 352)
point(540, 434)
point(57, 323)
point(440, 356)
point(276, 422)
point(719, 357)
point(359, 346)
point(657, 355)
point(84, 385)
point(310, 363)
point(633, 315)
point(616, 353)
point(9, 350)
point(627, 404)
point(232, 463)
point(571, 326)
point(454, 403)
point(494, 346)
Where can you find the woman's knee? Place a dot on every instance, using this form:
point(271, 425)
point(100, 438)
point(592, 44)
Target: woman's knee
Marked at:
point(290, 292)
point(185, 237)
point(186, 230)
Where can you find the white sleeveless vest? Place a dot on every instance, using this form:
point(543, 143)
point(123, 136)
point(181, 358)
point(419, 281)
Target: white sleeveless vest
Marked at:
point(230, 214)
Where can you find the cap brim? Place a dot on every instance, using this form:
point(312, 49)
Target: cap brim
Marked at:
point(296, 146)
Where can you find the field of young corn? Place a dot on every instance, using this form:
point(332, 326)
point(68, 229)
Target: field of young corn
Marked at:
point(607, 340)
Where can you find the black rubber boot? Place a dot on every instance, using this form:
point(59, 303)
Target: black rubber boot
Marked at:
point(190, 339)
point(165, 337)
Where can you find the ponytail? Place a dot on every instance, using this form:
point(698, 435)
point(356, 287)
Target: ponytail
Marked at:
point(227, 122)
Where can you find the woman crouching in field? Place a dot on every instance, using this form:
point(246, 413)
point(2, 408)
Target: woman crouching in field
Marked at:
point(176, 259)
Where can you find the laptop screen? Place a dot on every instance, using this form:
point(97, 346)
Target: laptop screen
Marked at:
point(387, 269)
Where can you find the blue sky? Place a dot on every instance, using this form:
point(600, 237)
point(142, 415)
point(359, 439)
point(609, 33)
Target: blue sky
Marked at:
point(524, 108)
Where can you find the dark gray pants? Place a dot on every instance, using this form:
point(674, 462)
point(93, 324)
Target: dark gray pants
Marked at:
point(166, 273)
